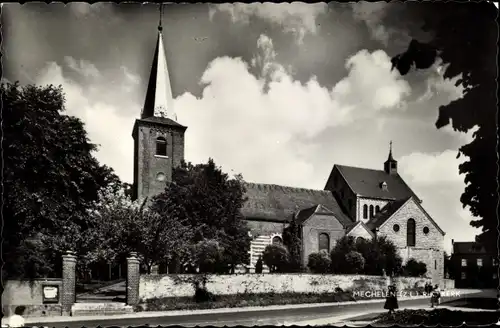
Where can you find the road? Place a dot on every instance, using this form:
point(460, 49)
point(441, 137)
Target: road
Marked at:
point(244, 318)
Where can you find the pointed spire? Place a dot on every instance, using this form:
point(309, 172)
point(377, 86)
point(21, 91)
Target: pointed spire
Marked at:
point(159, 100)
point(390, 158)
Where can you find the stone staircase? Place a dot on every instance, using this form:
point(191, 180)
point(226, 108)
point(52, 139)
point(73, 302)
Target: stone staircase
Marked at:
point(108, 308)
point(257, 247)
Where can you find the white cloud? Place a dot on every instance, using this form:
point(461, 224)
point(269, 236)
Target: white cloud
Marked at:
point(108, 123)
point(297, 17)
point(82, 67)
point(246, 126)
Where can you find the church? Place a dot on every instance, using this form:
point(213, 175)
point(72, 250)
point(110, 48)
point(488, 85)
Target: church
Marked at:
point(359, 202)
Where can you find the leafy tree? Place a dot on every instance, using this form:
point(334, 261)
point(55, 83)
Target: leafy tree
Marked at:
point(343, 246)
point(276, 258)
point(291, 239)
point(208, 256)
point(209, 202)
point(414, 268)
point(319, 262)
point(355, 262)
point(464, 37)
point(50, 180)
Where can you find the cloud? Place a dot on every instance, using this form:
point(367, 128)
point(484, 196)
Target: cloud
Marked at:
point(98, 101)
point(82, 67)
point(296, 17)
point(246, 122)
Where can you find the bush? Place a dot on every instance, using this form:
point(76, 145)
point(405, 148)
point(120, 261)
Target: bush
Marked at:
point(202, 294)
point(355, 262)
point(319, 262)
point(276, 258)
point(414, 268)
point(259, 265)
point(208, 256)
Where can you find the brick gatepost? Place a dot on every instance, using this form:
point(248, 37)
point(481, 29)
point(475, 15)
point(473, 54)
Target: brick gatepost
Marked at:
point(68, 295)
point(133, 275)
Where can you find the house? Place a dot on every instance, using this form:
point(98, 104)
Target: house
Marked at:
point(471, 266)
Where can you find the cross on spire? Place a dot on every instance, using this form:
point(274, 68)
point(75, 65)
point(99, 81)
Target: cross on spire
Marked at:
point(161, 14)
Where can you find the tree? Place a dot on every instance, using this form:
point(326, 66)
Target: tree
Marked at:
point(355, 262)
point(209, 202)
point(344, 245)
point(319, 262)
point(276, 258)
point(208, 256)
point(50, 179)
point(414, 268)
point(464, 37)
point(291, 239)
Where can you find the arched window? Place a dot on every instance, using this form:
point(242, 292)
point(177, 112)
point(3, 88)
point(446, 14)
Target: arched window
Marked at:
point(360, 240)
point(161, 146)
point(371, 211)
point(365, 211)
point(410, 233)
point(377, 209)
point(324, 242)
point(277, 241)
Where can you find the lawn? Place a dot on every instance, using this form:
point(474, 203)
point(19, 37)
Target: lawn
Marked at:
point(246, 300)
point(444, 317)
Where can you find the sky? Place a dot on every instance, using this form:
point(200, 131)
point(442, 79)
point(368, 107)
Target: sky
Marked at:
point(277, 92)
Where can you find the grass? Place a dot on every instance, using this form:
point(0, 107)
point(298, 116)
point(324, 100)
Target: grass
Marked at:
point(246, 300)
point(444, 317)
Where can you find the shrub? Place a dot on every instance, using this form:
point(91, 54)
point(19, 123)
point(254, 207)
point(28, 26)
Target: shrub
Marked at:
point(208, 256)
point(291, 239)
point(202, 294)
point(414, 268)
point(259, 265)
point(319, 262)
point(355, 262)
point(276, 258)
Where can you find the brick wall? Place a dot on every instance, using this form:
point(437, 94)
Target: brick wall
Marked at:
point(428, 247)
point(68, 296)
point(149, 165)
point(133, 275)
point(368, 201)
point(160, 286)
point(313, 227)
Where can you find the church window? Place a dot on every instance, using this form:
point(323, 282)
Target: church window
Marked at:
point(426, 230)
point(365, 211)
point(377, 209)
point(410, 233)
point(464, 262)
point(277, 241)
point(371, 211)
point(384, 185)
point(160, 176)
point(395, 228)
point(161, 146)
point(435, 264)
point(324, 242)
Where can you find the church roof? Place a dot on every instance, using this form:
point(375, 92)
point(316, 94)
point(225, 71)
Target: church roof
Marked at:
point(385, 213)
point(367, 183)
point(269, 202)
point(305, 214)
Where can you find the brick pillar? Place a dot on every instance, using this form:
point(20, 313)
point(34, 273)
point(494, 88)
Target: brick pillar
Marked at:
point(68, 295)
point(133, 275)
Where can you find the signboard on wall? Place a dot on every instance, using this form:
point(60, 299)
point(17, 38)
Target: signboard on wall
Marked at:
point(50, 293)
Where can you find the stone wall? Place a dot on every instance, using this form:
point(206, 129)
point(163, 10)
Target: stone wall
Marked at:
point(313, 227)
point(267, 228)
point(368, 201)
point(28, 294)
point(360, 231)
point(428, 247)
point(162, 286)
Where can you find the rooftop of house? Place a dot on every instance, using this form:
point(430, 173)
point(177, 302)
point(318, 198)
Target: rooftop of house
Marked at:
point(368, 183)
point(270, 202)
point(468, 247)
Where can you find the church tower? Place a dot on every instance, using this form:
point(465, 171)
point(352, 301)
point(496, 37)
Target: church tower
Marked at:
point(158, 137)
point(391, 165)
